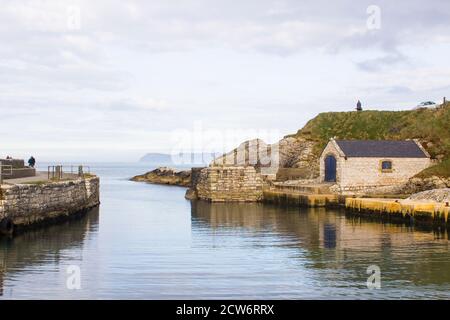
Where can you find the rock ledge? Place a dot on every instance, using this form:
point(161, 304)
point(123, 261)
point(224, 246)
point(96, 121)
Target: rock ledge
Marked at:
point(165, 175)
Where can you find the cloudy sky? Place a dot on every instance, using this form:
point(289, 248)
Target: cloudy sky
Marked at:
point(112, 80)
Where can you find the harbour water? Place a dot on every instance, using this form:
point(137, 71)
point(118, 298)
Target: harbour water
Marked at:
point(147, 242)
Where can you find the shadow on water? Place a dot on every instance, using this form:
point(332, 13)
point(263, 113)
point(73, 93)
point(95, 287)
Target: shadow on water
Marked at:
point(331, 239)
point(36, 245)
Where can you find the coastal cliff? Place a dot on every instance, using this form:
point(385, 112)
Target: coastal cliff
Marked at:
point(165, 175)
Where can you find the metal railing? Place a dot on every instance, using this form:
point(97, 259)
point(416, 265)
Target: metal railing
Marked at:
point(57, 172)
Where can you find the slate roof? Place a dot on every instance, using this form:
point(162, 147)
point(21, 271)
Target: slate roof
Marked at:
point(381, 148)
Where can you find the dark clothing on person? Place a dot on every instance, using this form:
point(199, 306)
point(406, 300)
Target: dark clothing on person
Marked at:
point(31, 162)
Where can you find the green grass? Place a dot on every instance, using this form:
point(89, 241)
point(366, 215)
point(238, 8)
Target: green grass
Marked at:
point(441, 170)
point(430, 126)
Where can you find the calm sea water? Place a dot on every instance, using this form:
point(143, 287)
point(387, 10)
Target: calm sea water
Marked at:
point(148, 242)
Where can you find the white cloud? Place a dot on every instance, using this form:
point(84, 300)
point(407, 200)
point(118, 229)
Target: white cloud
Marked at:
point(160, 65)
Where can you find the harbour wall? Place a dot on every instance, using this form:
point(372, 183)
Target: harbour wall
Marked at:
point(292, 198)
point(228, 184)
point(421, 212)
point(23, 205)
point(245, 184)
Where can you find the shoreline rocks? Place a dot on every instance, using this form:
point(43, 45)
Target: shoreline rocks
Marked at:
point(435, 195)
point(167, 176)
point(415, 185)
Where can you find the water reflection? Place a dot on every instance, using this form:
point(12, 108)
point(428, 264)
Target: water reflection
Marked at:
point(338, 242)
point(44, 244)
point(329, 235)
point(151, 243)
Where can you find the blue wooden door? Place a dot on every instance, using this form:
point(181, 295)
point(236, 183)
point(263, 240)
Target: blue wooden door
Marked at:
point(330, 169)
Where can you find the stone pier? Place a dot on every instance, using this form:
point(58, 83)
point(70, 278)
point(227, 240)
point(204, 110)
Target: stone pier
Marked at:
point(227, 184)
point(301, 199)
point(422, 212)
point(24, 204)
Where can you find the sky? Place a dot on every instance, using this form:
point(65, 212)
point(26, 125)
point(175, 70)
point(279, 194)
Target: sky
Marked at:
point(113, 80)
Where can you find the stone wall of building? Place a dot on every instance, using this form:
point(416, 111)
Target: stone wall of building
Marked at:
point(364, 173)
point(233, 184)
point(26, 204)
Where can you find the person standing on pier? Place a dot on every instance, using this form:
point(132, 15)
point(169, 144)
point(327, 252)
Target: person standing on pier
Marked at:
point(31, 162)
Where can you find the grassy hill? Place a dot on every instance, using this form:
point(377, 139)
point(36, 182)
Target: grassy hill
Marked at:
point(430, 126)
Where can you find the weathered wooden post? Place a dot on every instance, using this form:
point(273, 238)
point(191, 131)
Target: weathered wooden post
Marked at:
point(1, 174)
point(80, 171)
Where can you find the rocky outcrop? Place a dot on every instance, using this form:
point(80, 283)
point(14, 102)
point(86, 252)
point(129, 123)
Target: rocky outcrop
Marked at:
point(436, 195)
point(165, 175)
point(298, 153)
point(415, 185)
point(289, 152)
point(250, 152)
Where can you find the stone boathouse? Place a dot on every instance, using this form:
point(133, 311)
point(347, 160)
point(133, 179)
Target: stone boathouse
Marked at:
point(367, 164)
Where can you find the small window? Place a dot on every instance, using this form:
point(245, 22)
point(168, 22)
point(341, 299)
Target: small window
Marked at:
point(386, 166)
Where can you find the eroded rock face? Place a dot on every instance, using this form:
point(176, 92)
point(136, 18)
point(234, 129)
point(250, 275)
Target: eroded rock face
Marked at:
point(436, 195)
point(165, 175)
point(290, 152)
point(297, 153)
point(250, 152)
